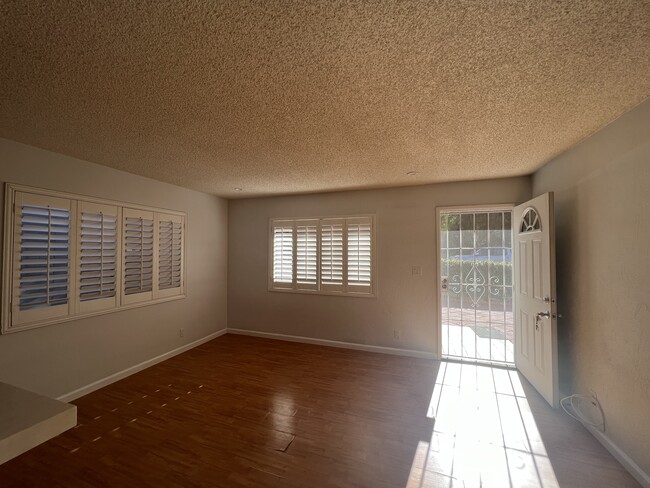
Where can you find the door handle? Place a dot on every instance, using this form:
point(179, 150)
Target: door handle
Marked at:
point(539, 316)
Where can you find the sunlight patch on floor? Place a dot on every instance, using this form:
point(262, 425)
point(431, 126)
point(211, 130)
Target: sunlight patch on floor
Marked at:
point(484, 434)
point(463, 342)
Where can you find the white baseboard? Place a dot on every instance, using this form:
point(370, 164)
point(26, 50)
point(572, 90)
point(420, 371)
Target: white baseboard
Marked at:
point(628, 463)
point(84, 390)
point(344, 345)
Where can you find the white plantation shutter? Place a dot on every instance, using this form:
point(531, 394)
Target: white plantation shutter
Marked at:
point(359, 262)
point(42, 258)
point(331, 254)
point(68, 256)
point(170, 255)
point(282, 272)
point(97, 250)
point(138, 252)
point(328, 255)
point(307, 254)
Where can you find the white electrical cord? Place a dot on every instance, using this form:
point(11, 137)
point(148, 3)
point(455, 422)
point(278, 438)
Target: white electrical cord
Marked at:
point(578, 415)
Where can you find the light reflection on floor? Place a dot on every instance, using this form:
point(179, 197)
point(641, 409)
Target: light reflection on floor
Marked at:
point(463, 342)
point(282, 412)
point(484, 433)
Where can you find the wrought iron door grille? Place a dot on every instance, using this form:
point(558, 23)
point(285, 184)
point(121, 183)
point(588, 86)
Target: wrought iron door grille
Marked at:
point(476, 299)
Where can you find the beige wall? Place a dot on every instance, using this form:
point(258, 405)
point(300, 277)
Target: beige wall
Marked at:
point(58, 359)
point(602, 195)
point(405, 238)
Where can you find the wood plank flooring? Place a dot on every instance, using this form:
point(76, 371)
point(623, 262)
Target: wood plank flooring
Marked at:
point(248, 412)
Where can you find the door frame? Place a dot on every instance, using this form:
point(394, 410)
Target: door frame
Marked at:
point(461, 208)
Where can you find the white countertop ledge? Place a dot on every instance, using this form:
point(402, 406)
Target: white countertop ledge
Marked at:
point(28, 419)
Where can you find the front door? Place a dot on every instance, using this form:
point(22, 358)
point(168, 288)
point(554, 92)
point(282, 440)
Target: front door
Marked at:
point(535, 298)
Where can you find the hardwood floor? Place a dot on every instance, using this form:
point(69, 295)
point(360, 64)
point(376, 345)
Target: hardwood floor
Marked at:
point(247, 412)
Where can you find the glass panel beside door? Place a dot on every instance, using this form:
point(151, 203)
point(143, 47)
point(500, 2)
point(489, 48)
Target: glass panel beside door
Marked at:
point(476, 285)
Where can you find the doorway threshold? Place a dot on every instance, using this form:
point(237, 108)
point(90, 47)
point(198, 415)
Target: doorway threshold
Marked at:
point(480, 362)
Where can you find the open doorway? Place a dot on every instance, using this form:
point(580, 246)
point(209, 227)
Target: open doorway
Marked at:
point(476, 284)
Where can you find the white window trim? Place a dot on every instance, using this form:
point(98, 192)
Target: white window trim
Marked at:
point(74, 313)
point(319, 291)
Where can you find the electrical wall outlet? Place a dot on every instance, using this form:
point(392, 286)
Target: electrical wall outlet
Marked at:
point(397, 334)
point(181, 332)
point(416, 271)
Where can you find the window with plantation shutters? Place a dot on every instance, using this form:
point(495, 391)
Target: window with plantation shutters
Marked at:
point(324, 255)
point(283, 254)
point(170, 255)
point(138, 251)
point(41, 258)
point(69, 256)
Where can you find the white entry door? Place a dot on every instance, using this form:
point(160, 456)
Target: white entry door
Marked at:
point(535, 298)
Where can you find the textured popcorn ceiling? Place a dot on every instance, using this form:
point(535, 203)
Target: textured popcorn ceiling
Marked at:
point(283, 97)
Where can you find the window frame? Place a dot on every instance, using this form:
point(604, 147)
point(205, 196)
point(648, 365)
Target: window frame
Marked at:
point(344, 292)
point(76, 312)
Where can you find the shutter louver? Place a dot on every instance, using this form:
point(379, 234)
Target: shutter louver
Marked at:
point(98, 262)
point(359, 255)
point(138, 253)
point(42, 258)
point(307, 255)
point(283, 255)
point(332, 254)
point(97, 256)
point(169, 264)
point(170, 255)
